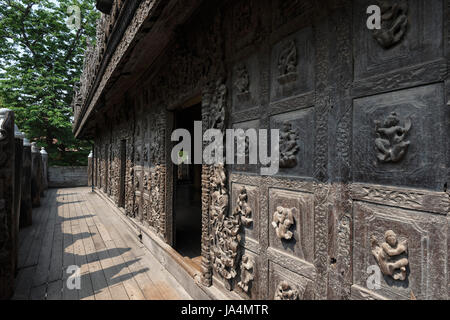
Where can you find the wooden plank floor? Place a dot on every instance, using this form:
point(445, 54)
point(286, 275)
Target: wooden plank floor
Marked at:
point(75, 227)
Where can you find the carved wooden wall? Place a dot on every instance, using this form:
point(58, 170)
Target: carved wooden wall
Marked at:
point(364, 146)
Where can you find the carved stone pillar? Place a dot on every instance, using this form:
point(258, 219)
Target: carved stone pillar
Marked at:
point(26, 205)
point(36, 175)
point(44, 156)
point(7, 229)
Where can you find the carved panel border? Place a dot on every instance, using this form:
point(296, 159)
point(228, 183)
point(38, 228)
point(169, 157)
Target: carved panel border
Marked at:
point(414, 199)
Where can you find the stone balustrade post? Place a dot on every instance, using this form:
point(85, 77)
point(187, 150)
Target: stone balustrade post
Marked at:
point(7, 218)
point(26, 204)
point(36, 175)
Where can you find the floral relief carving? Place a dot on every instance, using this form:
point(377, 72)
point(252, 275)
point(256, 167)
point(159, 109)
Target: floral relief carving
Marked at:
point(391, 255)
point(394, 23)
point(390, 141)
point(283, 220)
point(225, 236)
point(155, 200)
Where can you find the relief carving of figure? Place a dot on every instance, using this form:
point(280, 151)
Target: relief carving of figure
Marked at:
point(247, 276)
point(218, 107)
point(225, 236)
point(391, 255)
point(243, 209)
point(390, 141)
point(288, 146)
point(242, 83)
point(138, 155)
point(146, 184)
point(145, 154)
point(285, 292)
point(394, 22)
point(155, 200)
point(287, 63)
point(283, 220)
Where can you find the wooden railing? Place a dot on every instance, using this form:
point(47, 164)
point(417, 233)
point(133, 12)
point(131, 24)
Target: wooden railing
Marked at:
point(23, 181)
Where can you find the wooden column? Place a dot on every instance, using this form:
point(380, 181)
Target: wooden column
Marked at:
point(7, 230)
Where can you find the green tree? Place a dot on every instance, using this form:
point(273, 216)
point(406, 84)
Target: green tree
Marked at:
point(41, 59)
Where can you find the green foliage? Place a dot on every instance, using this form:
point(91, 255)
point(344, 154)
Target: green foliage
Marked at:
point(40, 61)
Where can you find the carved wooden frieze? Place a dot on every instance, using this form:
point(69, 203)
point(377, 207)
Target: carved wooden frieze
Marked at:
point(394, 22)
point(291, 223)
point(404, 38)
point(423, 200)
point(287, 285)
point(293, 66)
point(283, 220)
point(391, 138)
point(225, 228)
point(243, 208)
point(284, 12)
point(285, 292)
point(396, 140)
point(402, 244)
point(245, 201)
point(245, 26)
point(156, 200)
point(247, 274)
point(287, 63)
point(391, 255)
point(296, 142)
point(248, 148)
point(242, 83)
point(288, 146)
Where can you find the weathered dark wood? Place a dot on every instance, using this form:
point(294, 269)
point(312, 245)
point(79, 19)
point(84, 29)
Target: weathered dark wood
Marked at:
point(75, 227)
point(363, 119)
point(26, 215)
point(36, 175)
point(7, 205)
point(18, 172)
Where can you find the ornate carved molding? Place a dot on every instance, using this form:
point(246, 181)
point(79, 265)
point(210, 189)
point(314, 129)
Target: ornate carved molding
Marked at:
point(414, 199)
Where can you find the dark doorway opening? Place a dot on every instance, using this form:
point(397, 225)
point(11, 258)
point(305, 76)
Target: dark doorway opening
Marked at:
point(123, 166)
point(187, 195)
